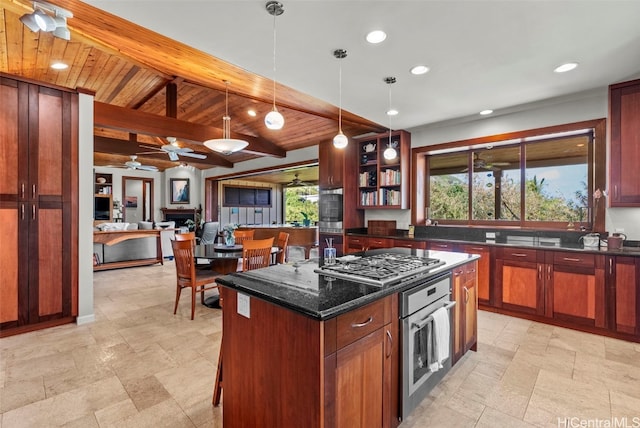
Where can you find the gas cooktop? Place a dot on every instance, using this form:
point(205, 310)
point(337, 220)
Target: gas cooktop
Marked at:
point(379, 269)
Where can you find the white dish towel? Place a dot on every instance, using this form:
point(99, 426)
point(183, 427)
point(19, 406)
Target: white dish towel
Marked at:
point(441, 338)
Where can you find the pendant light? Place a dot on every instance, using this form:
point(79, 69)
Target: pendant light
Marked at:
point(226, 145)
point(274, 119)
point(390, 152)
point(340, 141)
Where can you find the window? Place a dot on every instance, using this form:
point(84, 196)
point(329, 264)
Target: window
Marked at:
point(299, 200)
point(537, 180)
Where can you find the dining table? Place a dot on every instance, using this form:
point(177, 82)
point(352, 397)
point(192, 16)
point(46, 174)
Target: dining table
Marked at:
point(224, 260)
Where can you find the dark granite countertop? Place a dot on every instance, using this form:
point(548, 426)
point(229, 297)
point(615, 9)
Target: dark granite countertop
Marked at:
point(546, 240)
point(320, 297)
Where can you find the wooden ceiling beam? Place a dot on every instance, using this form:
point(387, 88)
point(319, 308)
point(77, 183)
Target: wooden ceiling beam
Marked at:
point(131, 147)
point(124, 119)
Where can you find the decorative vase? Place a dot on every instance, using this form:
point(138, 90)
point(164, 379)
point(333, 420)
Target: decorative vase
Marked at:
point(306, 222)
point(229, 238)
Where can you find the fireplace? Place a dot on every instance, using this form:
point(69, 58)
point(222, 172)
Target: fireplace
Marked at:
point(180, 215)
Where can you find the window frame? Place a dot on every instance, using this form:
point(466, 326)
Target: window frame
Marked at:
point(596, 176)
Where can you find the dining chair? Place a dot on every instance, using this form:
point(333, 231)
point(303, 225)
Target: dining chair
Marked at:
point(187, 276)
point(256, 254)
point(242, 235)
point(283, 241)
point(209, 232)
point(188, 236)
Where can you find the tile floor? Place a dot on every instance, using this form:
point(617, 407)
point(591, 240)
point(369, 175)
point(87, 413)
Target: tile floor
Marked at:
point(139, 365)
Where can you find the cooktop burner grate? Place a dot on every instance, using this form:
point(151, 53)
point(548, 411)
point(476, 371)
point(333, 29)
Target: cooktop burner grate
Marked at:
point(380, 269)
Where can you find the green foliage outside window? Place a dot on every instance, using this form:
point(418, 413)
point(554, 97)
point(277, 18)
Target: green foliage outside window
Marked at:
point(299, 200)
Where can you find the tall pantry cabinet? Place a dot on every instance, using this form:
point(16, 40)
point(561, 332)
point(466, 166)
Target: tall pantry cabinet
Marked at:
point(38, 205)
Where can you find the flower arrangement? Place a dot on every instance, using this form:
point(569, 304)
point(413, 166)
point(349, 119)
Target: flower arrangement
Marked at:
point(227, 234)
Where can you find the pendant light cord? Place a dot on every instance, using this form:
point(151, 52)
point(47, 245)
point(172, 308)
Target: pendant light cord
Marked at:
point(389, 115)
point(340, 97)
point(274, 60)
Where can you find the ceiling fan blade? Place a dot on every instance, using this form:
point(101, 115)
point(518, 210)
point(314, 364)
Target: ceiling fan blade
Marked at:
point(193, 155)
point(146, 168)
point(173, 156)
point(150, 153)
point(182, 150)
point(144, 146)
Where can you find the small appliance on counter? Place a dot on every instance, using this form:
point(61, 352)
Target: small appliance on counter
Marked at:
point(591, 240)
point(614, 242)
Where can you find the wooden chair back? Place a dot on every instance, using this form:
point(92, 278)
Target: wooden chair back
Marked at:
point(242, 235)
point(183, 253)
point(256, 253)
point(283, 241)
point(189, 236)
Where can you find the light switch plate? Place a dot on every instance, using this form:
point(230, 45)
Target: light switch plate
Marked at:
point(244, 305)
point(490, 235)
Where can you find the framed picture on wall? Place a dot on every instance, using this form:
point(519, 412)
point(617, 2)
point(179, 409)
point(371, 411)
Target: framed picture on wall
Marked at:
point(179, 190)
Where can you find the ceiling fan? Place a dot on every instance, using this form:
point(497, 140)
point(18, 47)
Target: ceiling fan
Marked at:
point(134, 164)
point(173, 150)
point(296, 182)
point(480, 163)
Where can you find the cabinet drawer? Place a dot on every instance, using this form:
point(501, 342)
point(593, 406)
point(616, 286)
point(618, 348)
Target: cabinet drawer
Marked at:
point(520, 254)
point(441, 246)
point(574, 259)
point(379, 243)
point(408, 243)
point(359, 322)
point(470, 272)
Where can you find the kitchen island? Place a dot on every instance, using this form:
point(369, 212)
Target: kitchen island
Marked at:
point(303, 349)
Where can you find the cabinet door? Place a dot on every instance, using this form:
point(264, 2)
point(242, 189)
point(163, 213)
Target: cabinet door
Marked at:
point(360, 382)
point(484, 270)
point(330, 166)
point(625, 283)
point(575, 288)
point(520, 280)
point(470, 299)
point(354, 244)
point(624, 115)
point(410, 243)
point(379, 243)
point(457, 284)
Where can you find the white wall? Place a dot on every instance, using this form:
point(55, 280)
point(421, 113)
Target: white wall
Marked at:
point(575, 108)
point(85, 210)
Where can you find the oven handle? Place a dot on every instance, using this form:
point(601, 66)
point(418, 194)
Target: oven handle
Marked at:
point(424, 321)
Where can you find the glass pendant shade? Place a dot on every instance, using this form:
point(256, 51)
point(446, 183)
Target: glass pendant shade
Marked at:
point(226, 145)
point(274, 120)
point(390, 153)
point(340, 141)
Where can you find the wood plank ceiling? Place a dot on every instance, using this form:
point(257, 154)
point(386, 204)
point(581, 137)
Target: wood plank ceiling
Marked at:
point(148, 87)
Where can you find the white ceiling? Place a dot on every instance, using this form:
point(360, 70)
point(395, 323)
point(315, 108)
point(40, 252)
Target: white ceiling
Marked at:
point(482, 54)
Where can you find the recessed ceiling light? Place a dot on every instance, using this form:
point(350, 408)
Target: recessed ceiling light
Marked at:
point(392, 112)
point(566, 67)
point(419, 69)
point(59, 66)
point(486, 112)
point(376, 36)
point(252, 113)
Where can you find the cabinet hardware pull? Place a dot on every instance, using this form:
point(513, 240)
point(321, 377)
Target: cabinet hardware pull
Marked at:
point(549, 272)
point(33, 191)
point(569, 259)
point(477, 248)
point(539, 271)
point(390, 343)
point(466, 294)
point(457, 273)
point(615, 190)
point(33, 212)
point(22, 191)
point(442, 246)
point(518, 254)
point(610, 266)
point(22, 212)
point(362, 324)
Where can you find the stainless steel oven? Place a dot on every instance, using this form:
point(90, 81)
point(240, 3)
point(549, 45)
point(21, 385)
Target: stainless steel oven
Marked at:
point(418, 304)
point(330, 211)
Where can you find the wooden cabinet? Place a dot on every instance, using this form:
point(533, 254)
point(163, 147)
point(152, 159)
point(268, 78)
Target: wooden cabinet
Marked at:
point(354, 244)
point(483, 270)
point(520, 274)
point(38, 208)
point(575, 287)
point(331, 163)
point(465, 312)
point(384, 183)
point(375, 243)
point(410, 243)
point(567, 286)
point(624, 135)
point(361, 370)
point(341, 372)
point(623, 276)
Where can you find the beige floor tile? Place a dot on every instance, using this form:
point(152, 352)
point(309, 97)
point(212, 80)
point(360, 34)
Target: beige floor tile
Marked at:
point(146, 392)
point(625, 406)
point(86, 421)
point(606, 374)
point(21, 393)
point(555, 360)
point(166, 414)
point(492, 418)
point(116, 412)
point(558, 397)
